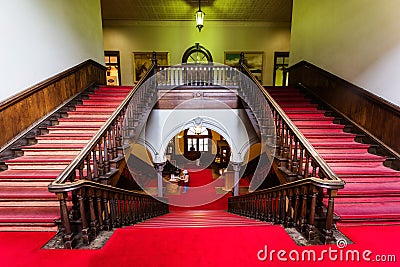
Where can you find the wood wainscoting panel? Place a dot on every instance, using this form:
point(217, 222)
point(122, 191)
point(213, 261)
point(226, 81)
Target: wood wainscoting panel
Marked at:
point(378, 116)
point(19, 112)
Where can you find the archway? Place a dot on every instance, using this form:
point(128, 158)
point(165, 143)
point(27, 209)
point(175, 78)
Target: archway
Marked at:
point(197, 54)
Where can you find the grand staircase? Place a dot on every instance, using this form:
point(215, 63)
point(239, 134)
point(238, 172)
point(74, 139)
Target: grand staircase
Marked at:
point(372, 191)
point(25, 202)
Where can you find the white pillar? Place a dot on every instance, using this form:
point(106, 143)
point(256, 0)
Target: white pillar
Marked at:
point(236, 177)
point(159, 168)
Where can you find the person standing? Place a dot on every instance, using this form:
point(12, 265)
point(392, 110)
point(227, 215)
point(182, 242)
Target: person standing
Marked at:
point(185, 179)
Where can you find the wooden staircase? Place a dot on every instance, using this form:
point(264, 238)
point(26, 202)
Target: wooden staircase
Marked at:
point(372, 191)
point(25, 202)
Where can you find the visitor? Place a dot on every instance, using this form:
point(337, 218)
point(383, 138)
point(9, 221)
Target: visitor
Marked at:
point(185, 179)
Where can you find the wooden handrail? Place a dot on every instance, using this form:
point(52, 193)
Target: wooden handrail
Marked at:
point(330, 174)
point(97, 207)
point(97, 138)
point(298, 202)
point(89, 200)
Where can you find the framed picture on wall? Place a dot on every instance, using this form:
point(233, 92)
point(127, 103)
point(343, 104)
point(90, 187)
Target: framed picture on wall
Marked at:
point(142, 62)
point(253, 60)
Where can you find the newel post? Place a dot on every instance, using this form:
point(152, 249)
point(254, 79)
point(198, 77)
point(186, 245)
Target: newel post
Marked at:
point(327, 232)
point(241, 60)
point(154, 61)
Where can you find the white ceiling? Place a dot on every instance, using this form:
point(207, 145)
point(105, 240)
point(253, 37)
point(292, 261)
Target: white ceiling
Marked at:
point(184, 10)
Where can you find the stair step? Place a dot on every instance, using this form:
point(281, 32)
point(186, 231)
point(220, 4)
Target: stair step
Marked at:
point(34, 176)
point(351, 158)
point(298, 105)
point(94, 109)
point(281, 98)
point(331, 139)
point(300, 109)
point(340, 144)
point(29, 214)
point(315, 119)
point(71, 129)
point(25, 192)
point(110, 93)
point(357, 171)
point(40, 162)
point(380, 210)
point(103, 88)
point(97, 112)
point(72, 139)
point(304, 112)
point(322, 135)
point(89, 102)
point(327, 128)
point(112, 98)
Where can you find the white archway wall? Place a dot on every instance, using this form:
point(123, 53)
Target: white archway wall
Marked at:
point(233, 124)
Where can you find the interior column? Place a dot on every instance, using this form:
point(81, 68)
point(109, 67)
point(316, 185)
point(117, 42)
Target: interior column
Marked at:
point(159, 168)
point(236, 177)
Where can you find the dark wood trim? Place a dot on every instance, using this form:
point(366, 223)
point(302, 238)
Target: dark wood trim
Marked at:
point(25, 108)
point(376, 115)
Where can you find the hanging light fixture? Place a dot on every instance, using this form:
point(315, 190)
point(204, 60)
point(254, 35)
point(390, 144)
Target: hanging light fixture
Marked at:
point(198, 126)
point(199, 18)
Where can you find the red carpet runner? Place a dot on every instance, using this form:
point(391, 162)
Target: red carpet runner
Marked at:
point(372, 191)
point(202, 238)
point(25, 203)
point(202, 194)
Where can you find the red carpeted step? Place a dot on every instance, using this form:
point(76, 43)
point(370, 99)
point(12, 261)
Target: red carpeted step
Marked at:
point(29, 214)
point(97, 121)
point(40, 162)
point(110, 93)
point(380, 211)
point(114, 89)
point(25, 202)
point(377, 189)
point(89, 102)
point(197, 218)
point(338, 144)
point(63, 138)
point(355, 171)
point(25, 192)
point(32, 175)
point(298, 105)
point(95, 109)
point(90, 112)
point(314, 118)
point(107, 98)
point(73, 129)
point(292, 98)
point(368, 182)
point(304, 112)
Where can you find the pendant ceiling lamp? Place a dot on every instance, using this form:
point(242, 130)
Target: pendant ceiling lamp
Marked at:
point(199, 18)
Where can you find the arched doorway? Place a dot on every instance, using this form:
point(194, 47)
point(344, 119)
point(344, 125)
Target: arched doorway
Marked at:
point(197, 54)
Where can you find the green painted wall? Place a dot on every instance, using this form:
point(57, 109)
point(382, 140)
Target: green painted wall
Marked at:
point(176, 37)
point(42, 38)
